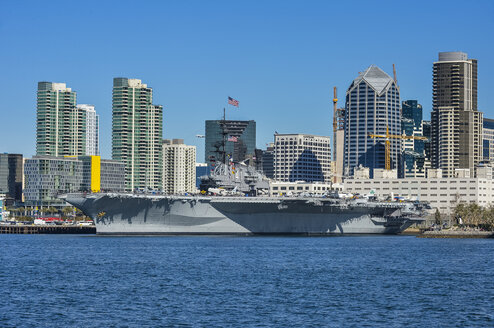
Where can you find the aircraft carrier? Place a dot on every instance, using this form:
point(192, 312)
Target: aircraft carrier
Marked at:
point(144, 214)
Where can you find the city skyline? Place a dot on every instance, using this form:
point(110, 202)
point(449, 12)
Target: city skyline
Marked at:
point(193, 73)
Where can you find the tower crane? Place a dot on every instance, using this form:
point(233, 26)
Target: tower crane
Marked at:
point(335, 101)
point(388, 136)
point(335, 125)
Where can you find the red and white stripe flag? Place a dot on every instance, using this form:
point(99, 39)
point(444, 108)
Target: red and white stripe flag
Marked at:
point(233, 139)
point(232, 101)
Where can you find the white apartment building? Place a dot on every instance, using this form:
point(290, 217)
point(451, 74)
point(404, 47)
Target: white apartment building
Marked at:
point(92, 129)
point(441, 193)
point(302, 157)
point(179, 167)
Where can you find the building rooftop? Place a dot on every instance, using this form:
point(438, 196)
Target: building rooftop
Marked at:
point(452, 56)
point(376, 78)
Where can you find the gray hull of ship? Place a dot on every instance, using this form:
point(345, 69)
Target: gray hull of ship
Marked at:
point(144, 215)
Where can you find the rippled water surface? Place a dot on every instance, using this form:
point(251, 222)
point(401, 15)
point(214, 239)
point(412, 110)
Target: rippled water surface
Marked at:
point(374, 281)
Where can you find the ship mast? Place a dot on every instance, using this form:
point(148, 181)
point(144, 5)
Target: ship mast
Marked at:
point(224, 133)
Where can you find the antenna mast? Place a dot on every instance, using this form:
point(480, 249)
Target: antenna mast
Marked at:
point(394, 73)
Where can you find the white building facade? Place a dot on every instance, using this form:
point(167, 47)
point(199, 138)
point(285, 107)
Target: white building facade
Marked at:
point(92, 129)
point(179, 167)
point(302, 157)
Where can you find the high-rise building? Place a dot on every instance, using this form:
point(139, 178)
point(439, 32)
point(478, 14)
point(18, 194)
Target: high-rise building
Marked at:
point(179, 167)
point(264, 160)
point(372, 106)
point(426, 132)
point(201, 170)
point(488, 140)
point(456, 123)
point(11, 177)
point(137, 130)
point(60, 125)
point(413, 156)
point(239, 137)
point(92, 129)
point(302, 157)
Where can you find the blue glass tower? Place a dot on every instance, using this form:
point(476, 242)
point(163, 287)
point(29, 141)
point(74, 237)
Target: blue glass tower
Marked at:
point(488, 140)
point(372, 105)
point(413, 158)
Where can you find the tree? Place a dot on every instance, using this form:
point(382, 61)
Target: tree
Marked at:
point(437, 217)
point(67, 210)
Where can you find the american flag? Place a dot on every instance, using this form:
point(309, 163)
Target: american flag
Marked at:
point(232, 101)
point(232, 138)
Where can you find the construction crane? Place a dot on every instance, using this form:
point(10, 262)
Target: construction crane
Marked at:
point(388, 144)
point(335, 101)
point(335, 125)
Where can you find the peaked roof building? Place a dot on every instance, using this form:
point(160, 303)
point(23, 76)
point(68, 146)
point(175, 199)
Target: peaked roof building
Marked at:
point(372, 105)
point(376, 78)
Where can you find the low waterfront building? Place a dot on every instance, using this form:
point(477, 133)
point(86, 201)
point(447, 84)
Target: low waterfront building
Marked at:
point(47, 177)
point(179, 167)
point(302, 157)
point(442, 193)
point(280, 188)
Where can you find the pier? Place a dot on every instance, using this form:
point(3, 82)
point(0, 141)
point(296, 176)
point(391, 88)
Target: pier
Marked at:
point(46, 229)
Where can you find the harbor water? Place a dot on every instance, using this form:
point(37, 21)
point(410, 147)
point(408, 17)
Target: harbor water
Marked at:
point(364, 281)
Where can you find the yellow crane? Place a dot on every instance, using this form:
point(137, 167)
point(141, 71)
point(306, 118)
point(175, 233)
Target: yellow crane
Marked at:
point(388, 145)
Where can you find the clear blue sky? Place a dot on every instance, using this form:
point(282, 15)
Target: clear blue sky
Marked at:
point(280, 59)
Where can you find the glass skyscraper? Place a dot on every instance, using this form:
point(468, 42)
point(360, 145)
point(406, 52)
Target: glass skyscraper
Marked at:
point(413, 157)
point(488, 140)
point(137, 133)
point(372, 105)
point(11, 177)
point(240, 139)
